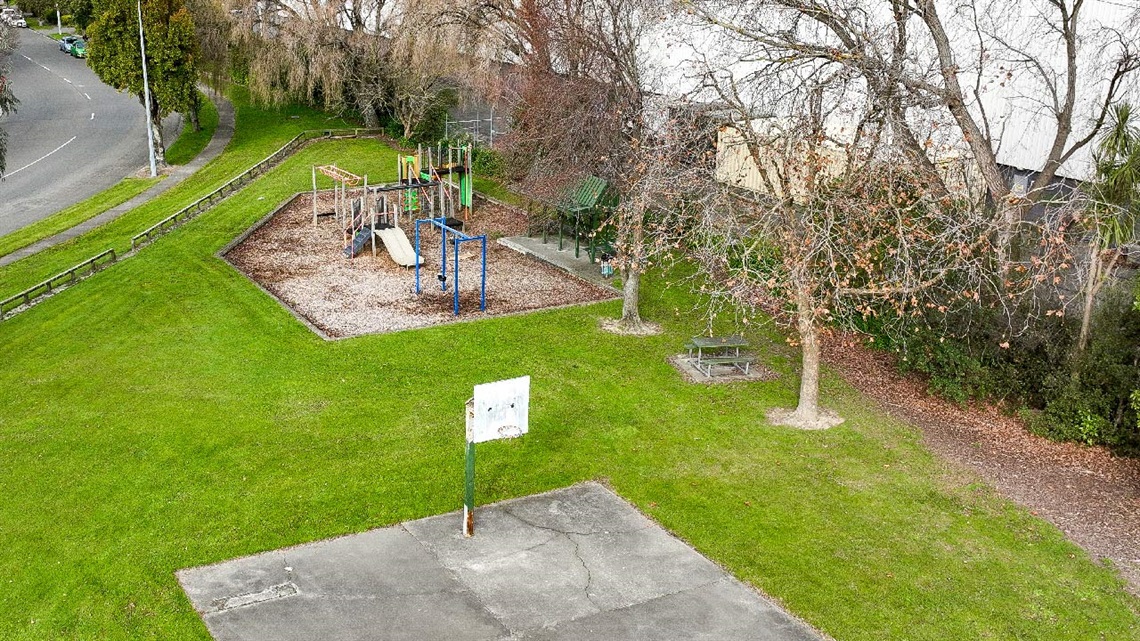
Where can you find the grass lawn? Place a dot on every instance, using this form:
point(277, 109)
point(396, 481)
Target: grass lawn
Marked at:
point(118, 194)
point(259, 132)
point(495, 190)
point(166, 413)
point(190, 143)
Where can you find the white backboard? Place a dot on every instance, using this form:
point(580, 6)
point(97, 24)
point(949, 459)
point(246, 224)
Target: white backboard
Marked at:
point(500, 410)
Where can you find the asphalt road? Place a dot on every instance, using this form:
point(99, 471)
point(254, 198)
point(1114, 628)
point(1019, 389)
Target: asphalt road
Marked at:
point(70, 138)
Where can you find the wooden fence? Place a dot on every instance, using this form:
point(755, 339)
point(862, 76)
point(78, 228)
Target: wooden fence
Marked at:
point(8, 306)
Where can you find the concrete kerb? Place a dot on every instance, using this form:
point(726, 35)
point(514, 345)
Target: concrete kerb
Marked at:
point(514, 244)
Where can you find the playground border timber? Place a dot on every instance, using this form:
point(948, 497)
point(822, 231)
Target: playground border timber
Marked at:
point(222, 254)
point(24, 300)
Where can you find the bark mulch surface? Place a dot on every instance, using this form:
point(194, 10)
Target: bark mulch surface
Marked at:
point(1090, 494)
point(304, 266)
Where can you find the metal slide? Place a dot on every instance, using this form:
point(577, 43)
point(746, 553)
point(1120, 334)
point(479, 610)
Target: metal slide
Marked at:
point(396, 242)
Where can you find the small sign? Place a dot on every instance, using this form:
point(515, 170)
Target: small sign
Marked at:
point(500, 410)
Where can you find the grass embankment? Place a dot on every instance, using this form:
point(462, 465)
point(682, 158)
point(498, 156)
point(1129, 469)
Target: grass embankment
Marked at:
point(190, 143)
point(118, 194)
point(166, 413)
point(259, 132)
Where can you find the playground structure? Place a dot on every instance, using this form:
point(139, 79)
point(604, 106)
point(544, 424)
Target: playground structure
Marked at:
point(300, 264)
point(457, 239)
point(424, 185)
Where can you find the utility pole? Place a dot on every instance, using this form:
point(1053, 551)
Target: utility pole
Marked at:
point(146, 97)
point(58, 21)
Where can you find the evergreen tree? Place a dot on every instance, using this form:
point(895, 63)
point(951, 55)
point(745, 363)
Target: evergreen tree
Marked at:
point(7, 98)
point(171, 55)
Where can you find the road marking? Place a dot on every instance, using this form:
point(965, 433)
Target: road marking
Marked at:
point(86, 96)
point(67, 81)
point(93, 115)
point(36, 62)
point(13, 173)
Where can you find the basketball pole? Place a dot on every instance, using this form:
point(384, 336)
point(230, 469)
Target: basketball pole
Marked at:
point(469, 483)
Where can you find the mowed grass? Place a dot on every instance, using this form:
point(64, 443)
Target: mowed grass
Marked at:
point(190, 143)
point(116, 195)
point(166, 414)
point(258, 133)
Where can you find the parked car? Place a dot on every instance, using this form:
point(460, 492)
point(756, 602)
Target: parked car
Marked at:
point(79, 49)
point(20, 22)
point(66, 42)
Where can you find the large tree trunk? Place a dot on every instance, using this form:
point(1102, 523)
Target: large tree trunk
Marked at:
point(195, 112)
point(195, 120)
point(156, 128)
point(1091, 287)
point(368, 113)
point(807, 410)
point(631, 272)
point(630, 292)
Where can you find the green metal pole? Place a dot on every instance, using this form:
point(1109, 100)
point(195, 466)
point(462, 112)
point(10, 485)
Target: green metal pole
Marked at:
point(577, 234)
point(469, 493)
point(469, 477)
point(593, 232)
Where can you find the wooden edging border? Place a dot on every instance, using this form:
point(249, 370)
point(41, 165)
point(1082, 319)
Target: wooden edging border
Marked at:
point(221, 255)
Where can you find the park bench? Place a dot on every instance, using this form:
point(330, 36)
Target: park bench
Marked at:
point(724, 350)
point(740, 362)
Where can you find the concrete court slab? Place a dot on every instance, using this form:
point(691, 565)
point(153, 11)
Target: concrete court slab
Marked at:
point(572, 564)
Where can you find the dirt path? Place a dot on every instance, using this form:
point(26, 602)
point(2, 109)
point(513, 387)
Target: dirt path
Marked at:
point(1091, 495)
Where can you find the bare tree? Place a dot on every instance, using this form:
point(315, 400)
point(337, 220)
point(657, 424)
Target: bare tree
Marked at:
point(840, 230)
point(423, 66)
point(928, 71)
point(581, 109)
point(377, 58)
point(213, 31)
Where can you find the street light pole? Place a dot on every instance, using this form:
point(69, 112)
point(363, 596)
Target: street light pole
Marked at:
point(146, 95)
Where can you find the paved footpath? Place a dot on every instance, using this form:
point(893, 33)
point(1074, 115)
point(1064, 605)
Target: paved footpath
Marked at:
point(571, 565)
point(222, 136)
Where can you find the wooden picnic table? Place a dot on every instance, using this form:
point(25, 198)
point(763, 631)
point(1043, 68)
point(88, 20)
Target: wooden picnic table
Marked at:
point(723, 350)
point(717, 344)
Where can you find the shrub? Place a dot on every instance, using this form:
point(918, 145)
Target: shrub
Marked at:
point(488, 162)
point(1092, 401)
point(962, 355)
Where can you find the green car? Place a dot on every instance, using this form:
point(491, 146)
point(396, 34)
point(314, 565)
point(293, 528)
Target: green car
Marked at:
point(79, 49)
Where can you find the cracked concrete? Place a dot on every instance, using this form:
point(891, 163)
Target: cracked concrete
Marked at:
point(576, 563)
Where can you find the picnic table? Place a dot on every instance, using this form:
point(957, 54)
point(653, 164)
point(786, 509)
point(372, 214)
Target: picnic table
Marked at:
point(719, 350)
